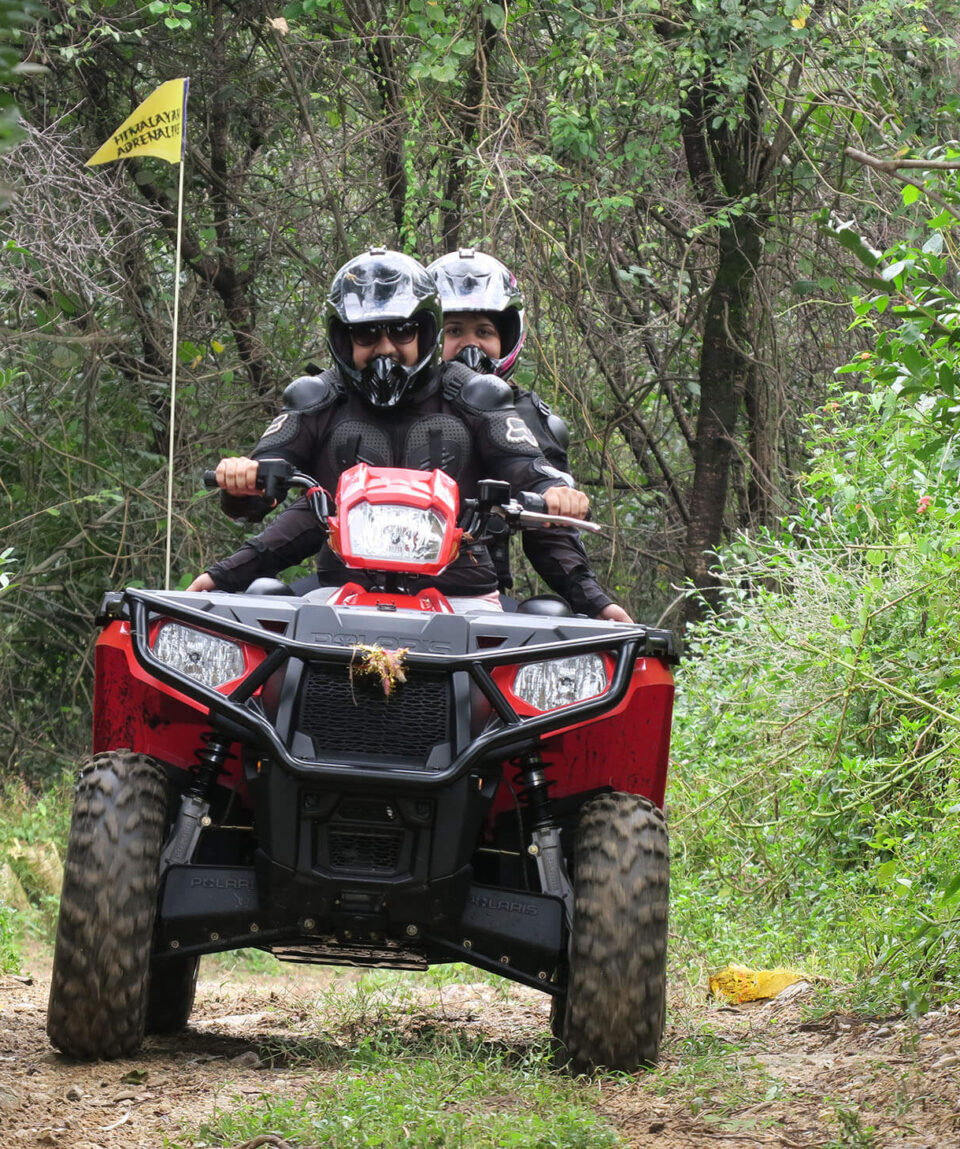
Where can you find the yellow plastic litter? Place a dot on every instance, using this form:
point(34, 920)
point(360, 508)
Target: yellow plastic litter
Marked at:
point(738, 984)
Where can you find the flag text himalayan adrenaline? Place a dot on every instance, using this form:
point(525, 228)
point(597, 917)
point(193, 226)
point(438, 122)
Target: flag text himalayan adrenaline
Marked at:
point(160, 126)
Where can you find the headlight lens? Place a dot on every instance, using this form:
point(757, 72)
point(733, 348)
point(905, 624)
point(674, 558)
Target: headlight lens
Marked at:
point(560, 682)
point(205, 657)
point(395, 533)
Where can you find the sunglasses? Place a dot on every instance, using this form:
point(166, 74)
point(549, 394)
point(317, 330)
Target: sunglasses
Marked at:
point(399, 333)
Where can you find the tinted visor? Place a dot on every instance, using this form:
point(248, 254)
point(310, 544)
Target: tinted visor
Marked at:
point(399, 333)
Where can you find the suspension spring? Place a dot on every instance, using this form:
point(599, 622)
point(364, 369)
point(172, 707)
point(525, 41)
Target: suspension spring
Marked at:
point(211, 760)
point(534, 787)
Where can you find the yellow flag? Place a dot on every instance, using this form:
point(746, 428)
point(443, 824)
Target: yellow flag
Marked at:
point(155, 128)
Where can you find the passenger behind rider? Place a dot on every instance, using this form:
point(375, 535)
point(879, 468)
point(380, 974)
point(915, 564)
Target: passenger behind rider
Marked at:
point(387, 402)
point(483, 327)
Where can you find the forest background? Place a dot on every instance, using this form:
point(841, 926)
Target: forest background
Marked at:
point(734, 226)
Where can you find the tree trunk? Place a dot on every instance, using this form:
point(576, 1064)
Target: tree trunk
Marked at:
point(725, 363)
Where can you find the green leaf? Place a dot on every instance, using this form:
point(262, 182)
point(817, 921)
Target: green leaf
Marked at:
point(895, 269)
point(856, 244)
point(495, 14)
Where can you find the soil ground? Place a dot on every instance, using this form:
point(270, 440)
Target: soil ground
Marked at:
point(731, 1077)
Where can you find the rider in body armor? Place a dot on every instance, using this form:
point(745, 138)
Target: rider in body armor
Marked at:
point(484, 329)
point(388, 401)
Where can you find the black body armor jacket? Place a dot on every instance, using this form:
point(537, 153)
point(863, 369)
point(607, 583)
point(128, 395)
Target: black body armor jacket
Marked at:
point(565, 565)
point(463, 423)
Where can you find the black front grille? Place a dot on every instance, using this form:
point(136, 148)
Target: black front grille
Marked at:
point(354, 717)
point(365, 810)
point(373, 853)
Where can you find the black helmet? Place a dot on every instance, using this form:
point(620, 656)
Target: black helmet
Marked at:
point(468, 280)
point(382, 287)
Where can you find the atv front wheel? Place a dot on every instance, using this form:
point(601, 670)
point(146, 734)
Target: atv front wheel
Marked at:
point(101, 964)
point(173, 986)
point(614, 1009)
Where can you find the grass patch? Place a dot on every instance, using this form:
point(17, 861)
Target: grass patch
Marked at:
point(712, 1076)
point(244, 961)
point(424, 1091)
point(362, 1015)
point(389, 1071)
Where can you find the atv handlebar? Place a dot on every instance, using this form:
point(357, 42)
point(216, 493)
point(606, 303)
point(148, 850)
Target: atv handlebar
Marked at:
point(275, 477)
point(531, 510)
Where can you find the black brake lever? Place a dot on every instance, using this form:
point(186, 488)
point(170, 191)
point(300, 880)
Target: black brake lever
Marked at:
point(273, 478)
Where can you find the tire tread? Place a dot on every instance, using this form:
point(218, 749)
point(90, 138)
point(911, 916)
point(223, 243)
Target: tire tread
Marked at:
point(98, 990)
point(614, 1011)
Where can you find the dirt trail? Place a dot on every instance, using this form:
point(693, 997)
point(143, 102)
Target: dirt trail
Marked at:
point(732, 1078)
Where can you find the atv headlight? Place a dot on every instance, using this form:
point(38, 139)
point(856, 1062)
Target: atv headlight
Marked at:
point(560, 682)
point(205, 657)
point(392, 532)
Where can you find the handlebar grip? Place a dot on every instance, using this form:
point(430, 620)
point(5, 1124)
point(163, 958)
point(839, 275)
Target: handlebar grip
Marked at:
point(210, 480)
point(536, 505)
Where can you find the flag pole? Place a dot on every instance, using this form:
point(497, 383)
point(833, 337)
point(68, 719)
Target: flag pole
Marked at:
point(173, 371)
point(157, 126)
point(173, 385)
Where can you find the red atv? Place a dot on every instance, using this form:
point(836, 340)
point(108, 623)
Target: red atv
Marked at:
point(371, 780)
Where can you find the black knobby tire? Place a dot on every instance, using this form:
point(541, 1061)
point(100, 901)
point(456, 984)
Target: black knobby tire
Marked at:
point(614, 1009)
point(101, 964)
point(173, 986)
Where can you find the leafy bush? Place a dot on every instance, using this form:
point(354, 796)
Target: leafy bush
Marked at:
point(33, 832)
point(816, 784)
point(9, 951)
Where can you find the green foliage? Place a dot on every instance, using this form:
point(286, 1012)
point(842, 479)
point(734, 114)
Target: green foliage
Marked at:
point(9, 950)
point(852, 1134)
point(817, 778)
point(915, 323)
point(175, 15)
point(33, 816)
point(33, 833)
point(15, 16)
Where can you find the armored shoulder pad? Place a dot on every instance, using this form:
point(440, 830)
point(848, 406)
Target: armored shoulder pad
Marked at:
point(312, 392)
point(559, 430)
point(541, 404)
point(453, 376)
point(486, 393)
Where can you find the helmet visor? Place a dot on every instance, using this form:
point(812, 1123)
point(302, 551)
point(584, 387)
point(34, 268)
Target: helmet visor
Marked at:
point(466, 288)
point(376, 291)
